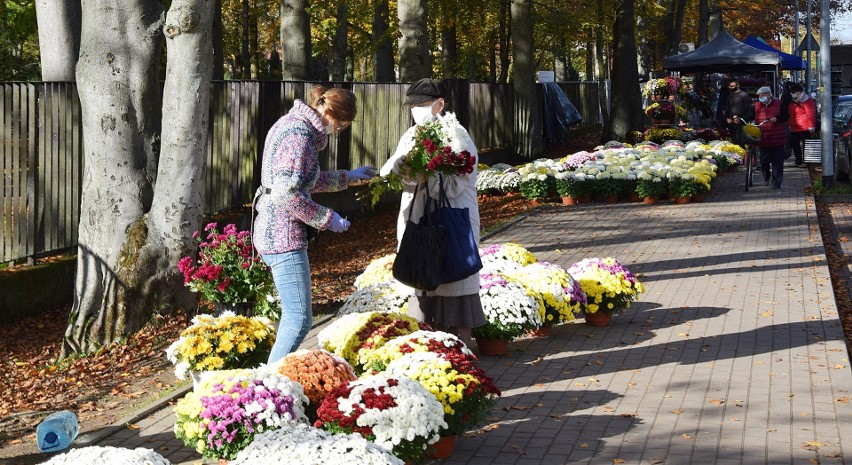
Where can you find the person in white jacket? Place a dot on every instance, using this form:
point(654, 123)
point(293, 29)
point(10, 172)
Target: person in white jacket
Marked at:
point(453, 307)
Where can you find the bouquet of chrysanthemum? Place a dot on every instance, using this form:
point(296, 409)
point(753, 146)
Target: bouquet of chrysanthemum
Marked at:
point(437, 342)
point(396, 413)
point(501, 257)
point(609, 286)
point(94, 455)
point(352, 336)
point(438, 148)
point(220, 343)
point(318, 371)
point(464, 399)
point(378, 271)
point(562, 295)
point(223, 418)
point(511, 309)
point(382, 297)
point(305, 444)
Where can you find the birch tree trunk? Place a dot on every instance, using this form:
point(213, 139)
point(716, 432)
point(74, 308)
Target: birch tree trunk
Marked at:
point(141, 199)
point(58, 38)
point(295, 40)
point(383, 55)
point(413, 43)
point(527, 138)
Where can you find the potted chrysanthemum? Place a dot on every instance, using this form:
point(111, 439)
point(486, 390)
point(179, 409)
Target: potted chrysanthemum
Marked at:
point(501, 257)
point(391, 296)
point(352, 336)
point(562, 295)
point(396, 413)
point(227, 274)
point(108, 454)
point(437, 342)
point(609, 286)
point(221, 342)
point(224, 417)
point(318, 371)
point(300, 443)
point(511, 309)
point(464, 398)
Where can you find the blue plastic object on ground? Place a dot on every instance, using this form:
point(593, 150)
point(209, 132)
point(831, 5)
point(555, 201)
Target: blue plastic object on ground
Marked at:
point(57, 431)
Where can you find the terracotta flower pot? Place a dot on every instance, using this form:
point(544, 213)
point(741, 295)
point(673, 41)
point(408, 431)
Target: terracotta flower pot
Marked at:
point(568, 200)
point(443, 448)
point(650, 200)
point(223, 461)
point(598, 319)
point(492, 346)
point(697, 198)
point(681, 200)
point(634, 197)
point(542, 331)
point(612, 198)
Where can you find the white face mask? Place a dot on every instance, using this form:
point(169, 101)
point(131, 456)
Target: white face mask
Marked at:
point(763, 99)
point(421, 114)
point(797, 96)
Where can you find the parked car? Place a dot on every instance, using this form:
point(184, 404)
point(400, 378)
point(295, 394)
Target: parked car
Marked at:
point(842, 130)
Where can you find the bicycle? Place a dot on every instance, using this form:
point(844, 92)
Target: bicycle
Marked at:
point(751, 135)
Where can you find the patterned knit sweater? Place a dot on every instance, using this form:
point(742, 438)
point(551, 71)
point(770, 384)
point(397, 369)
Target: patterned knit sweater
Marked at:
point(291, 170)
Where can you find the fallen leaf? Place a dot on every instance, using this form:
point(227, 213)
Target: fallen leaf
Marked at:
point(131, 426)
point(686, 436)
point(842, 400)
point(717, 401)
point(617, 461)
point(676, 411)
point(584, 445)
point(811, 445)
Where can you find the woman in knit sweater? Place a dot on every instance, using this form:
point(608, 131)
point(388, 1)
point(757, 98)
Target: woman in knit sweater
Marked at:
point(290, 172)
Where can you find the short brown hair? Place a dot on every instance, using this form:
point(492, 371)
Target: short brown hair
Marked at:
point(341, 103)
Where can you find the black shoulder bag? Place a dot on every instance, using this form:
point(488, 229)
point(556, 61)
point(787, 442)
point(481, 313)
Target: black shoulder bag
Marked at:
point(419, 258)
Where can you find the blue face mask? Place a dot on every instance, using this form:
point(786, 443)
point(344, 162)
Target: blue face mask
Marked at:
point(763, 99)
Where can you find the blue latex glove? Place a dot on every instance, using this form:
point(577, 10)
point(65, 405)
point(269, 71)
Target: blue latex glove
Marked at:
point(338, 224)
point(363, 173)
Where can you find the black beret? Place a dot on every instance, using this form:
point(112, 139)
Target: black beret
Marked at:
point(424, 90)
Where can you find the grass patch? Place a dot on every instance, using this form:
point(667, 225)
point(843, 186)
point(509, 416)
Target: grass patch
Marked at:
point(838, 188)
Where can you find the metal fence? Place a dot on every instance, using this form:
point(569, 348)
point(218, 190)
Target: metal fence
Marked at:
point(42, 146)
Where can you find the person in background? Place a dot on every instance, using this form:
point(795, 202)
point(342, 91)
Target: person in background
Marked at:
point(290, 172)
point(738, 109)
point(453, 307)
point(785, 98)
point(772, 120)
point(802, 121)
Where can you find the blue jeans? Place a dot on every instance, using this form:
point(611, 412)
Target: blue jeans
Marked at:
point(291, 273)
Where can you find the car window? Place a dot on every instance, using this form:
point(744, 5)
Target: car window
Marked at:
point(843, 110)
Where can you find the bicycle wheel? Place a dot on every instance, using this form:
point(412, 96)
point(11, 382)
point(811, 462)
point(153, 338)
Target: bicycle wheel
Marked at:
point(748, 166)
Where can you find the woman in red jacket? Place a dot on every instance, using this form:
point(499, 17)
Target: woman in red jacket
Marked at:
point(767, 111)
point(802, 122)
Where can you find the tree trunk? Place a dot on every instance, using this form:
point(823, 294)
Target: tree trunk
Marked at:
point(218, 43)
point(58, 38)
point(528, 142)
point(590, 61)
point(703, 19)
point(120, 108)
point(295, 40)
point(600, 71)
point(245, 57)
point(382, 45)
point(504, 37)
point(643, 46)
point(337, 65)
point(413, 43)
point(626, 97)
point(449, 45)
point(177, 208)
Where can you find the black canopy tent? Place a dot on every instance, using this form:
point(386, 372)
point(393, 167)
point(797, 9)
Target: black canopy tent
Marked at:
point(721, 55)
